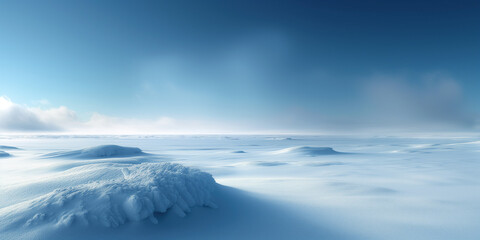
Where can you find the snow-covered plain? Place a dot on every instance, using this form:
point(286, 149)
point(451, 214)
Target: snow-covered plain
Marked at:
point(239, 187)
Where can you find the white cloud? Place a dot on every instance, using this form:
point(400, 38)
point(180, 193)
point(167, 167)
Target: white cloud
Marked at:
point(15, 117)
point(19, 118)
point(433, 103)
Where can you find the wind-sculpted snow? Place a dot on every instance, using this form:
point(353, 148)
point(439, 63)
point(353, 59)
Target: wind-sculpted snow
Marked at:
point(240, 151)
point(270, 164)
point(4, 154)
point(8, 147)
point(309, 151)
point(102, 151)
point(142, 191)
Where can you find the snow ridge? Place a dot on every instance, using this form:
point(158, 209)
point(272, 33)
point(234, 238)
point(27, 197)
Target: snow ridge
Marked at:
point(144, 190)
point(102, 151)
point(8, 147)
point(309, 151)
point(4, 154)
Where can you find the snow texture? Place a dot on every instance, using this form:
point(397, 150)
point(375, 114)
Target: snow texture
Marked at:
point(102, 151)
point(144, 190)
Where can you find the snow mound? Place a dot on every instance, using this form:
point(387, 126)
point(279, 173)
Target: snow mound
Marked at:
point(280, 138)
point(270, 164)
point(4, 154)
point(142, 191)
point(309, 151)
point(102, 151)
point(240, 151)
point(8, 147)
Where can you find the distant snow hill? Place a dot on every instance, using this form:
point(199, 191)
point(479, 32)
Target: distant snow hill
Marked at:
point(8, 147)
point(102, 151)
point(4, 154)
point(309, 151)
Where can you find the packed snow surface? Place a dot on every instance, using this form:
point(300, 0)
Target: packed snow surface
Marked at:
point(103, 151)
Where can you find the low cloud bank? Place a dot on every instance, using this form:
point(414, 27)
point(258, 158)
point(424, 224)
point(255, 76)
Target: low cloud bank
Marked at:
point(16, 118)
point(432, 102)
point(386, 104)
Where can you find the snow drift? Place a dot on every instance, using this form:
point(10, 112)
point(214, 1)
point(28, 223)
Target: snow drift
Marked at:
point(309, 151)
point(240, 151)
point(102, 151)
point(142, 191)
point(4, 154)
point(8, 147)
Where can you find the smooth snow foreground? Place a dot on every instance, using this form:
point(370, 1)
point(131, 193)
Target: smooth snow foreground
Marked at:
point(140, 192)
point(269, 187)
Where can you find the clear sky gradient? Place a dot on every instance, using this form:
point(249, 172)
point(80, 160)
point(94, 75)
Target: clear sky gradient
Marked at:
point(251, 66)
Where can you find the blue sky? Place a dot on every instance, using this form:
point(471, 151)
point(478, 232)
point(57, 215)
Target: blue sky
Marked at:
point(252, 66)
